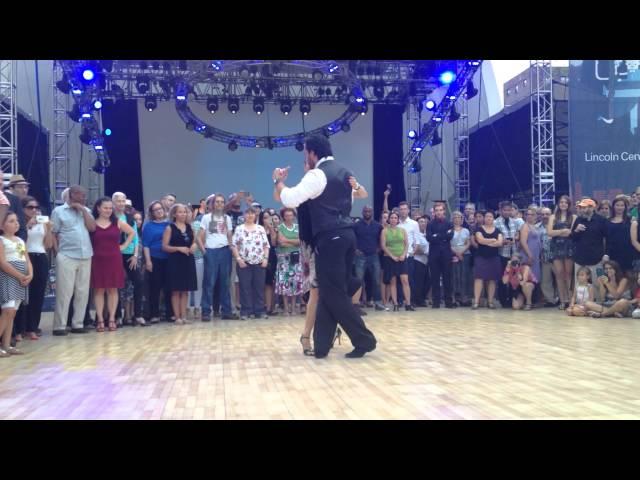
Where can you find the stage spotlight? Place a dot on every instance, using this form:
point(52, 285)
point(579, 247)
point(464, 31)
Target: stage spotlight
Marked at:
point(88, 74)
point(417, 148)
point(471, 90)
point(412, 134)
point(333, 67)
point(142, 84)
point(285, 107)
point(97, 104)
point(447, 77)
point(437, 118)
point(436, 140)
point(107, 132)
point(305, 107)
point(233, 146)
point(454, 115)
point(76, 90)
point(212, 104)
point(429, 105)
point(317, 75)
point(299, 146)
point(201, 128)
point(474, 63)
point(345, 127)
point(233, 104)
point(450, 97)
point(63, 84)
point(150, 103)
point(415, 166)
point(216, 65)
point(258, 105)
point(85, 136)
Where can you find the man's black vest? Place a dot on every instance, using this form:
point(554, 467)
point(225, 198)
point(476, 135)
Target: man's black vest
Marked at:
point(332, 209)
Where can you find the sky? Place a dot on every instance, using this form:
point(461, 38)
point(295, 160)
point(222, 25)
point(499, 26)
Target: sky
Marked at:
point(505, 70)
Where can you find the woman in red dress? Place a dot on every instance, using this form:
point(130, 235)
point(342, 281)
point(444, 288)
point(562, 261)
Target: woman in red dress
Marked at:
point(107, 273)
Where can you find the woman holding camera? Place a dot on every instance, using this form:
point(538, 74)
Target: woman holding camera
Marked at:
point(521, 282)
point(39, 240)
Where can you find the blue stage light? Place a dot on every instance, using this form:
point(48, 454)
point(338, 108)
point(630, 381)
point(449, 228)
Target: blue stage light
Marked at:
point(107, 132)
point(333, 67)
point(429, 105)
point(97, 104)
point(216, 65)
point(412, 134)
point(447, 77)
point(88, 74)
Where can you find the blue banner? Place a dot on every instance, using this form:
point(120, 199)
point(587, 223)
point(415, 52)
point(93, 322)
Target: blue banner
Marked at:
point(604, 135)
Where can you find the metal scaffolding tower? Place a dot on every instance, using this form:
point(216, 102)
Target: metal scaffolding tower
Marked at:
point(8, 117)
point(414, 176)
point(461, 153)
point(59, 138)
point(542, 134)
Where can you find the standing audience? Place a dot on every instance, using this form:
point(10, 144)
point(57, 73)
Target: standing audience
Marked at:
point(250, 247)
point(179, 242)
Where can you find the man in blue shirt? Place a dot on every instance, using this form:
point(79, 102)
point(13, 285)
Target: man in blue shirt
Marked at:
point(368, 244)
point(72, 222)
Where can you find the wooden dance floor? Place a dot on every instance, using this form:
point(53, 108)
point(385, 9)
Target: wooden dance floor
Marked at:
point(431, 364)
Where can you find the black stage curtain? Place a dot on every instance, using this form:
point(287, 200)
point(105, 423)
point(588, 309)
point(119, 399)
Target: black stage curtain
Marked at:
point(33, 160)
point(123, 147)
point(387, 156)
point(500, 162)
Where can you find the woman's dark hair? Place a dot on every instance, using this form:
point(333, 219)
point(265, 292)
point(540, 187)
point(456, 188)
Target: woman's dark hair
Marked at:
point(285, 210)
point(487, 212)
point(625, 216)
point(261, 217)
point(150, 214)
point(99, 202)
point(616, 267)
point(25, 200)
point(391, 214)
point(569, 208)
point(319, 145)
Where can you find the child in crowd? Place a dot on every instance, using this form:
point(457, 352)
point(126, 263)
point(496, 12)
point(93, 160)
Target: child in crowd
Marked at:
point(15, 275)
point(582, 294)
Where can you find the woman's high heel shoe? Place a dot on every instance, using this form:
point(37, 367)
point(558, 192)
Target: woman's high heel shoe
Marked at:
point(306, 351)
point(337, 337)
point(396, 308)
